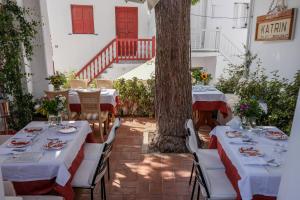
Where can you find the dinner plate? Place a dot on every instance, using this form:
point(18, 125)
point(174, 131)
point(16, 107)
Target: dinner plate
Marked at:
point(54, 145)
point(250, 152)
point(18, 143)
point(234, 134)
point(67, 130)
point(276, 135)
point(33, 130)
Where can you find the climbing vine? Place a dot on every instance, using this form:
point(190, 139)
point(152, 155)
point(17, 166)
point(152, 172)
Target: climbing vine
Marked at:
point(16, 35)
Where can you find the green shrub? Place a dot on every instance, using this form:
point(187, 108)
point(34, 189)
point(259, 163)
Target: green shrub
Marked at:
point(137, 96)
point(278, 93)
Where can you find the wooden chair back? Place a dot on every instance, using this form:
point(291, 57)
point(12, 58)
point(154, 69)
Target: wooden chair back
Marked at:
point(90, 102)
point(77, 84)
point(107, 84)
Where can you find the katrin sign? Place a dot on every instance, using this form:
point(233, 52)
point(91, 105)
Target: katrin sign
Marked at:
point(278, 26)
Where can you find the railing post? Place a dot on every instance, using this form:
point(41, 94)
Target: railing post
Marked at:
point(153, 46)
point(117, 49)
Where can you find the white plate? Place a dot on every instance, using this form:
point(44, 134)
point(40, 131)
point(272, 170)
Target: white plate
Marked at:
point(55, 145)
point(13, 143)
point(68, 130)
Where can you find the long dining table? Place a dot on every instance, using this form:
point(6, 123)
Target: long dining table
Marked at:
point(253, 178)
point(35, 170)
point(108, 99)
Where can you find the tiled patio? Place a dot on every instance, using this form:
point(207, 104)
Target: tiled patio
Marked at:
point(144, 176)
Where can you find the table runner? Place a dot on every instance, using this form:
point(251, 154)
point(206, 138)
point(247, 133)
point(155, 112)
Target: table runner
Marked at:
point(255, 182)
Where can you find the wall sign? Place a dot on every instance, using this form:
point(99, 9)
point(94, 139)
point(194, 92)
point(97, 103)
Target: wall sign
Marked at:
point(279, 26)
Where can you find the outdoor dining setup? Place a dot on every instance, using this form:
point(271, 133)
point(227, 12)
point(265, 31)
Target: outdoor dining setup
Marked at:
point(61, 154)
point(243, 161)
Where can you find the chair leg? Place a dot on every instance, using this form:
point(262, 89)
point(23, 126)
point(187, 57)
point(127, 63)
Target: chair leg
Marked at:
point(198, 195)
point(103, 192)
point(108, 171)
point(193, 191)
point(92, 193)
point(191, 174)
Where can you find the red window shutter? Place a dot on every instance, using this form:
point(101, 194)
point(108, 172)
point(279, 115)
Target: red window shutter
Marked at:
point(88, 19)
point(77, 22)
point(82, 19)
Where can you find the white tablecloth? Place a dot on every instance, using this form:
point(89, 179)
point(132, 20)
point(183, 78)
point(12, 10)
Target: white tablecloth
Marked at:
point(262, 180)
point(108, 96)
point(52, 163)
point(208, 95)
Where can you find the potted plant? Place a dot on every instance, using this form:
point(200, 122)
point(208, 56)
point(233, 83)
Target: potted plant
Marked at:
point(52, 108)
point(57, 80)
point(201, 76)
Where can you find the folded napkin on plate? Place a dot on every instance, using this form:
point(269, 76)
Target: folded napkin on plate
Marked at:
point(235, 123)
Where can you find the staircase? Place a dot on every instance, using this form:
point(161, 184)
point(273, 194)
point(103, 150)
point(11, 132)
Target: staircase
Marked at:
point(118, 50)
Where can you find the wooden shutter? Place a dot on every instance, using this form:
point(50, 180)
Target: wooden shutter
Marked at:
point(82, 19)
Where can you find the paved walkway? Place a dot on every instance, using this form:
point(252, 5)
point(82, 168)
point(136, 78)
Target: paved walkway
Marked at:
point(144, 176)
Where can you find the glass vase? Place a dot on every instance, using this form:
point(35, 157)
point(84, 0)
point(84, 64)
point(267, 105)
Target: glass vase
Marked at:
point(54, 120)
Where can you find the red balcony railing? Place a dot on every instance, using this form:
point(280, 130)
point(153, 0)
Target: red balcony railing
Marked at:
point(115, 51)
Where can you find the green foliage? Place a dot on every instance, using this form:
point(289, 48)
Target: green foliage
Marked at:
point(16, 34)
point(57, 80)
point(137, 96)
point(278, 93)
point(195, 2)
point(51, 106)
point(201, 76)
point(69, 76)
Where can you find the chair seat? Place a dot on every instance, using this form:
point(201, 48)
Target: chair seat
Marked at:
point(44, 197)
point(94, 116)
point(209, 159)
point(84, 175)
point(219, 185)
point(92, 151)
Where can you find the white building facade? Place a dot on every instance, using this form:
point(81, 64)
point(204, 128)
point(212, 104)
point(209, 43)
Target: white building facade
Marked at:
point(276, 55)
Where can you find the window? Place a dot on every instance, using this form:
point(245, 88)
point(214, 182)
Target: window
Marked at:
point(240, 16)
point(82, 19)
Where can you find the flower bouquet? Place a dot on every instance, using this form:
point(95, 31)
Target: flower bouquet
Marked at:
point(57, 80)
point(201, 76)
point(249, 110)
point(52, 108)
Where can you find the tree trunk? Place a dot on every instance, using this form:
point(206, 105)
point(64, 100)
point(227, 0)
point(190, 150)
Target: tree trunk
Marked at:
point(173, 93)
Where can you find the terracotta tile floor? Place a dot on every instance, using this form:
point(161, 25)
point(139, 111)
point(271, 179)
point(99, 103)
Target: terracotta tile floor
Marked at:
point(143, 176)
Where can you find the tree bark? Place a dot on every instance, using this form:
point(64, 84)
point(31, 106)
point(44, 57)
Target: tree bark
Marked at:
point(173, 93)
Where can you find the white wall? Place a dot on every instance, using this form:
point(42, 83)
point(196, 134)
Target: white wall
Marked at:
point(72, 51)
point(202, 18)
point(207, 62)
point(41, 65)
point(277, 55)
point(289, 186)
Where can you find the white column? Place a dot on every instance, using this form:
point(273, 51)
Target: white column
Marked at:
point(41, 65)
point(290, 180)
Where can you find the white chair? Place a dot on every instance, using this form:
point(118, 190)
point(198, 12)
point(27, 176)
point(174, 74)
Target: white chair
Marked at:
point(209, 158)
point(92, 151)
point(212, 183)
point(90, 173)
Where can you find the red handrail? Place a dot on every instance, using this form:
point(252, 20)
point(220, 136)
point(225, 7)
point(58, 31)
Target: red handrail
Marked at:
point(115, 51)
